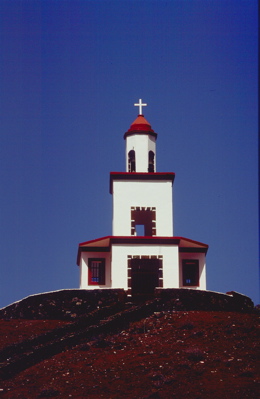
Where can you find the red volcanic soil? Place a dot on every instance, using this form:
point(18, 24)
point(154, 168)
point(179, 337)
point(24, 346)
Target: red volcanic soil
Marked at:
point(171, 354)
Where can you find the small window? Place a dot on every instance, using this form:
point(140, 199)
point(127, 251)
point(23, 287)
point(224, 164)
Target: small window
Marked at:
point(190, 272)
point(96, 271)
point(139, 229)
point(143, 221)
point(151, 162)
point(131, 161)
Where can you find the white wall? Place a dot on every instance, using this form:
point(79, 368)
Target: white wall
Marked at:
point(117, 278)
point(202, 268)
point(170, 263)
point(85, 256)
point(128, 193)
point(141, 144)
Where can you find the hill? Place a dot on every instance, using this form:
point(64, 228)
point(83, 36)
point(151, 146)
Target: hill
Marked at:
point(138, 351)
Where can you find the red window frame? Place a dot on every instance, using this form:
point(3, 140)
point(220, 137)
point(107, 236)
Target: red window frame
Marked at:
point(190, 273)
point(96, 271)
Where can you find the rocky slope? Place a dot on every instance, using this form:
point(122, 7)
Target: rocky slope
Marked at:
point(143, 351)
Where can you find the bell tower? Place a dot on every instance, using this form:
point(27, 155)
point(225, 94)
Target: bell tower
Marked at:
point(140, 145)
point(142, 197)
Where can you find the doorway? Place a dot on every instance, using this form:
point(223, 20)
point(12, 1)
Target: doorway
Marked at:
point(144, 277)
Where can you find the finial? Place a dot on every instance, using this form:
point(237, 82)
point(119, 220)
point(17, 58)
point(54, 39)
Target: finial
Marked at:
point(140, 105)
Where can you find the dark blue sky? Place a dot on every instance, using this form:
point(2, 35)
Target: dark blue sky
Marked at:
point(70, 72)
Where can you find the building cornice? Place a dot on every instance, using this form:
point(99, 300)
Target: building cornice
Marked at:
point(134, 176)
point(104, 244)
point(139, 132)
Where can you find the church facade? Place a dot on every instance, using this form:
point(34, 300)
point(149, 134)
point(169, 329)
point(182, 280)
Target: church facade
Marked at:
point(142, 253)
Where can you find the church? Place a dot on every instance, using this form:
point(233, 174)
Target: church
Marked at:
point(142, 253)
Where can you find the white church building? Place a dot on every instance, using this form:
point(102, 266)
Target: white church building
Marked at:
point(142, 253)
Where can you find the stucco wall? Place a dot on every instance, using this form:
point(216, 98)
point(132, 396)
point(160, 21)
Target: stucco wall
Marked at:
point(85, 256)
point(141, 144)
point(202, 268)
point(127, 194)
point(170, 263)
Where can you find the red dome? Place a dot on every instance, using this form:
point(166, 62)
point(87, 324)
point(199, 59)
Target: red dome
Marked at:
point(140, 125)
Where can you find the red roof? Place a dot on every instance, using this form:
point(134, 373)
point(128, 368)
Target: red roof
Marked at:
point(103, 244)
point(140, 125)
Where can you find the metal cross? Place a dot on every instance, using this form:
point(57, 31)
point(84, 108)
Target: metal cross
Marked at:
point(140, 105)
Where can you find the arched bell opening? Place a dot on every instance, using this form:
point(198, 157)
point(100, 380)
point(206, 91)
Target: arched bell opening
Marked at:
point(151, 162)
point(131, 161)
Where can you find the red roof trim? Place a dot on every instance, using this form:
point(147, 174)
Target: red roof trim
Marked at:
point(122, 239)
point(140, 238)
point(193, 250)
point(140, 176)
point(140, 130)
point(192, 241)
point(84, 246)
point(95, 240)
point(144, 240)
